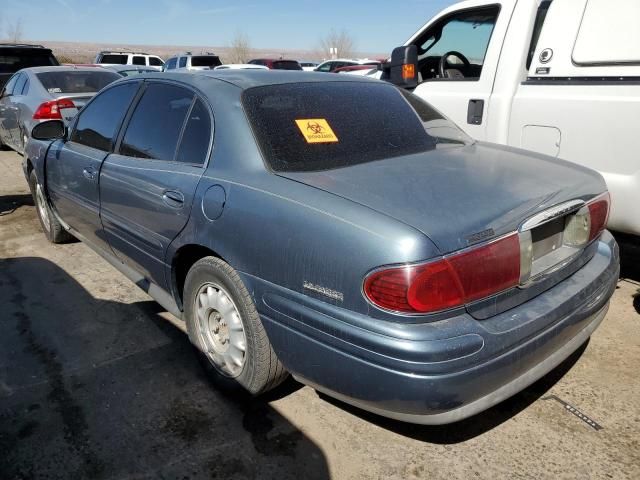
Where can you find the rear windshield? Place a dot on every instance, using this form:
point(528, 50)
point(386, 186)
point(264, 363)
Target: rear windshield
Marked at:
point(116, 59)
point(206, 61)
point(321, 126)
point(286, 65)
point(76, 82)
point(12, 60)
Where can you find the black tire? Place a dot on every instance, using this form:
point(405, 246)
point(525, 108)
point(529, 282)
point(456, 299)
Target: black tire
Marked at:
point(51, 227)
point(261, 370)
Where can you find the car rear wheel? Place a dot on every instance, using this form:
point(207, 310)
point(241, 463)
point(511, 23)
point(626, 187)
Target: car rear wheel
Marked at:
point(52, 228)
point(223, 323)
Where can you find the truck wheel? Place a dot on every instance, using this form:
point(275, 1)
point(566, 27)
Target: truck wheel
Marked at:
point(223, 323)
point(51, 227)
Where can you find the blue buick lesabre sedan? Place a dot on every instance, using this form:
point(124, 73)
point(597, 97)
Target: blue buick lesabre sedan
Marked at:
point(335, 228)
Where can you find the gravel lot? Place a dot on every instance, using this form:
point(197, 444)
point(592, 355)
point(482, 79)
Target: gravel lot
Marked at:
point(96, 383)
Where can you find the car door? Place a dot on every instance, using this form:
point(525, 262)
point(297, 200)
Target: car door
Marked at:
point(477, 32)
point(72, 177)
point(147, 188)
point(15, 111)
point(5, 104)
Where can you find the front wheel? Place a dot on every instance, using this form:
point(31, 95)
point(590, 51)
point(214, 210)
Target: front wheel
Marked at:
point(223, 323)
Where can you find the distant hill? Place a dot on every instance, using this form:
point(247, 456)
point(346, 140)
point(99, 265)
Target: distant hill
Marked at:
point(84, 52)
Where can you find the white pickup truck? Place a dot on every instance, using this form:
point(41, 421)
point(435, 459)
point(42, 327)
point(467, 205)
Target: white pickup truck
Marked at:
point(560, 77)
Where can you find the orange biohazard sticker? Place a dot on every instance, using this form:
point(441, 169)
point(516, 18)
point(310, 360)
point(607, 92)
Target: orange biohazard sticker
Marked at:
point(316, 130)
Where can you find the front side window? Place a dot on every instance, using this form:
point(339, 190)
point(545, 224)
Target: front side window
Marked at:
point(183, 62)
point(155, 126)
point(326, 67)
point(321, 126)
point(99, 120)
point(138, 60)
point(455, 48)
point(171, 64)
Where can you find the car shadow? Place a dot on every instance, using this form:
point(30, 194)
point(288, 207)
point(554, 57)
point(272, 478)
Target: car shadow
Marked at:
point(629, 255)
point(10, 203)
point(478, 424)
point(95, 388)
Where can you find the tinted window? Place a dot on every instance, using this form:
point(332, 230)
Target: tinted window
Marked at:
point(325, 67)
point(205, 61)
point(171, 63)
point(137, 60)
point(537, 28)
point(195, 140)
point(156, 123)
point(17, 90)
point(100, 119)
point(76, 81)
point(286, 65)
point(183, 62)
point(155, 62)
point(369, 122)
point(14, 59)
point(117, 59)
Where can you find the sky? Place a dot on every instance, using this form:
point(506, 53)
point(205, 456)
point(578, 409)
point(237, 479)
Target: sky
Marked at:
point(376, 25)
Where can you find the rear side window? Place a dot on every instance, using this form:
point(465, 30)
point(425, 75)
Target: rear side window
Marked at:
point(25, 89)
point(138, 60)
point(537, 28)
point(98, 122)
point(17, 90)
point(116, 59)
point(183, 62)
point(155, 126)
point(76, 81)
point(320, 126)
point(155, 62)
point(286, 65)
point(196, 137)
point(205, 61)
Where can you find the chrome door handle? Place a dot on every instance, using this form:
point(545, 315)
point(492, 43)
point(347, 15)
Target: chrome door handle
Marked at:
point(173, 198)
point(89, 173)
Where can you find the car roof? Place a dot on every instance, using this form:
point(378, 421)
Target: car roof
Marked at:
point(62, 68)
point(245, 79)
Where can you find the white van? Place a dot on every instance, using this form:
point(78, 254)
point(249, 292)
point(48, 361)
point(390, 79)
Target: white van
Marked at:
point(560, 77)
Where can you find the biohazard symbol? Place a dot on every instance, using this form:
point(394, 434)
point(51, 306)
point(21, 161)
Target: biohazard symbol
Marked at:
point(315, 127)
point(316, 130)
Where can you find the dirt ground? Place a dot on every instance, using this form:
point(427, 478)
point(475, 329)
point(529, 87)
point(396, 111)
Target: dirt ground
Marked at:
point(95, 383)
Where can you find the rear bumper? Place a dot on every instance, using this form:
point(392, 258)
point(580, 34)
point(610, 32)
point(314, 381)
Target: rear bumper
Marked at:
point(444, 371)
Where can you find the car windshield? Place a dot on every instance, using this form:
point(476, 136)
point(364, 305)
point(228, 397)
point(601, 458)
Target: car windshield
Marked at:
point(76, 81)
point(11, 62)
point(286, 65)
point(321, 126)
point(206, 61)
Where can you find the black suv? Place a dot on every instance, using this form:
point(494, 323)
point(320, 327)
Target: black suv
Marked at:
point(16, 56)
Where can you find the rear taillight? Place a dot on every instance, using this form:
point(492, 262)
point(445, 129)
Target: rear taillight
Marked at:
point(448, 282)
point(599, 214)
point(51, 110)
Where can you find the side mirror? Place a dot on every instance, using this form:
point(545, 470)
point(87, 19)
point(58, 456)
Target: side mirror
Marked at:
point(403, 67)
point(49, 130)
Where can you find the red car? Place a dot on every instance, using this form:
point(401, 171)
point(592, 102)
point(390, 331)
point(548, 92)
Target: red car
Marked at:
point(277, 64)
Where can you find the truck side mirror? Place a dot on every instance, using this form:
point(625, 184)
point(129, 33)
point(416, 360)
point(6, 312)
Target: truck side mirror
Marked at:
point(49, 130)
point(403, 66)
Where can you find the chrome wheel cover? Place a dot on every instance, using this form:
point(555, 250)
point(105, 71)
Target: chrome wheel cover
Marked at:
point(43, 211)
point(220, 329)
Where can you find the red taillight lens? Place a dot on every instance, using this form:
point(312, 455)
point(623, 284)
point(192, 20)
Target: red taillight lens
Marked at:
point(599, 213)
point(449, 282)
point(51, 110)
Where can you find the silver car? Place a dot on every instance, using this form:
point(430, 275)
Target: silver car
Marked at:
point(36, 94)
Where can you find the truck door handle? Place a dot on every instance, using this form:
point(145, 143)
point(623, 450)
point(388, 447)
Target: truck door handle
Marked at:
point(89, 173)
point(475, 111)
point(173, 198)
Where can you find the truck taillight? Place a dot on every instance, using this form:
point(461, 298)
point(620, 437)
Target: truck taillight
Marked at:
point(448, 282)
point(51, 110)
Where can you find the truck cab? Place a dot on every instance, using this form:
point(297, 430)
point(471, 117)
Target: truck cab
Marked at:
point(559, 77)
